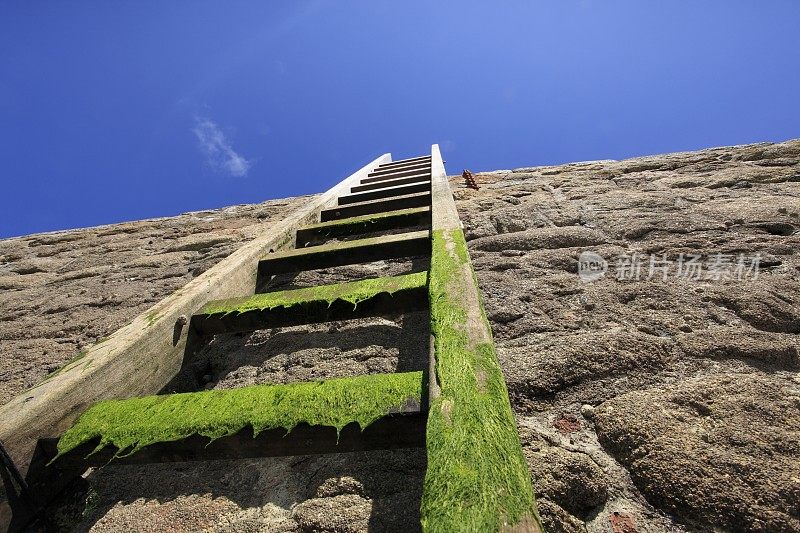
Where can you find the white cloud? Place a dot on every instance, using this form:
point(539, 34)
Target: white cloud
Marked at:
point(218, 150)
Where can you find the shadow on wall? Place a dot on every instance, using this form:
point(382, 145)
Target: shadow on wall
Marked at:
point(291, 355)
point(375, 491)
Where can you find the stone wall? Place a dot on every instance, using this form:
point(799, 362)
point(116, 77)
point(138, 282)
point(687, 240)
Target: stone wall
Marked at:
point(643, 405)
point(650, 404)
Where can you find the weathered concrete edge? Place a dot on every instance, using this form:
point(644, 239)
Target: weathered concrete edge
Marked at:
point(141, 357)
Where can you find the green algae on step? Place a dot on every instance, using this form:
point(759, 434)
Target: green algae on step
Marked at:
point(353, 292)
point(132, 424)
point(477, 478)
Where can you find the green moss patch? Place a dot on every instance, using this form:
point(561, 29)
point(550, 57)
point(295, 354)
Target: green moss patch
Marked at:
point(134, 423)
point(477, 477)
point(353, 292)
point(68, 365)
point(151, 318)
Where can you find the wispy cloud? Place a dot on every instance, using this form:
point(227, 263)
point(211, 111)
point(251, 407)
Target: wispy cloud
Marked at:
point(219, 153)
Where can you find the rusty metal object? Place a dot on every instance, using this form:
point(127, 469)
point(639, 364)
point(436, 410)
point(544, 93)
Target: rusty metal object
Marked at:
point(469, 180)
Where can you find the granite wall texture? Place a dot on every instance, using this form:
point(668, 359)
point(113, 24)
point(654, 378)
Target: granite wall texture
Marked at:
point(663, 403)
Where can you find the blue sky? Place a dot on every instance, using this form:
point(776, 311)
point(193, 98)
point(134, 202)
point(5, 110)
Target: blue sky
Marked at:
point(113, 111)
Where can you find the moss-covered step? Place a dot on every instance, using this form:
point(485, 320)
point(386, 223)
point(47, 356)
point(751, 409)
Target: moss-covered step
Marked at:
point(391, 181)
point(406, 201)
point(341, 301)
point(388, 192)
point(345, 414)
point(402, 218)
point(408, 244)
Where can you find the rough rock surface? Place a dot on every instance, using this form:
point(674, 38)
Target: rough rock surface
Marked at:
point(663, 403)
point(657, 404)
point(63, 291)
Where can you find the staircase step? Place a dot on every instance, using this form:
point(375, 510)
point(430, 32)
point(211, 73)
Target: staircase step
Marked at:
point(424, 166)
point(341, 301)
point(346, 253)
point(402, 218)
point(378, 411)
point(423, 172)
point(382, 184)
point(381, 206)
point(401, 162)
point(385, 193)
